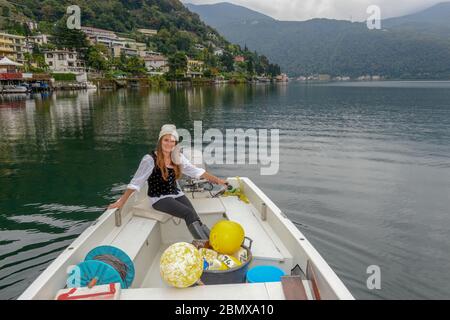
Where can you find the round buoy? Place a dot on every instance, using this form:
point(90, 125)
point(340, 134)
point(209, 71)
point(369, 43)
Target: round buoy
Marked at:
point(181, 265)
point(105, 265)
point(226, 236)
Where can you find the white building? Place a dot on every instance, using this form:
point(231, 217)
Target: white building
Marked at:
point(199, 46)
point(39, 39)
point(148, 32)
point(156, 63)
point(63, 61)
point(117, 45)
point(218, 52)
point(96, 32)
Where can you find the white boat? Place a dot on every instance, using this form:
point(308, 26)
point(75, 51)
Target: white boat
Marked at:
point(14, 89)
point(144, 233)
point(90, 86)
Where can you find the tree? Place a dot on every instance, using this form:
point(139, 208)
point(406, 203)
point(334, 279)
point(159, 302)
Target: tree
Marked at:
point(183, 41)
point(250, 66)
point(95, 59)
point(135, 66)
point(64, 37)
point(5, 11)
point(177, 65)
point(227, 61)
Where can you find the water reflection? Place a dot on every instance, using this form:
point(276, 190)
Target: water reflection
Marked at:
point(364, 171)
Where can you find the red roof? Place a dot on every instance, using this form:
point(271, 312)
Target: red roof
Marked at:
point(11, 76)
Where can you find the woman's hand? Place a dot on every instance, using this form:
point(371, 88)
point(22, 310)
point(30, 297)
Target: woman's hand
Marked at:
point(213, 179)
point(122, 200)
point(222, 182)
point(117, 204)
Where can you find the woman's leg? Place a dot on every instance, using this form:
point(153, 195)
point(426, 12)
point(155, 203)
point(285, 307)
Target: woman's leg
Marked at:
point(202, 228)
point(177, 208)
point(184, 200)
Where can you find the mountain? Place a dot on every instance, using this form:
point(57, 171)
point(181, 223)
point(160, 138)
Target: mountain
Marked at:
point(411, 47)
point(224, 13)
point(438, 15)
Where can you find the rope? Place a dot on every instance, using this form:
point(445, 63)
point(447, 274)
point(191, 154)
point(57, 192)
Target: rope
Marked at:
point(239, 192)
point(114, 262)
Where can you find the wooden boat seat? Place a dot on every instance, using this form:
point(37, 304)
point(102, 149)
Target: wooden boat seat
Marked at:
point(132, 236)
point(245, 291)
point(203, 206)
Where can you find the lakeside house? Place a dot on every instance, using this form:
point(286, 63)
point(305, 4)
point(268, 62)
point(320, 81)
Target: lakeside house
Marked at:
point(194, 68)
point(324, 77)
point(341, 78)
point(199, 47)
point(61, 61)
point(97, 33)
point(32, 42)
point(9, 66)
point(13, 47)
point(218, 52)
point(156, 63)
point(13, 80)
point(148, 32)
point(39, 39)
point(116, 45)
point(282, 78)
point(239, 59)
point(370, 78)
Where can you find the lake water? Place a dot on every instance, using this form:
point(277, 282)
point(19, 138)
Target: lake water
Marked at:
point(364, 171)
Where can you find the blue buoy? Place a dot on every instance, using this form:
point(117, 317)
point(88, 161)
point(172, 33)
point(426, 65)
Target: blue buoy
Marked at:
point(264, 274)
point(105, 264)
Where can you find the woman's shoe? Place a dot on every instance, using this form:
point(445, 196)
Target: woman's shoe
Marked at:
point(199, 230)
point(206, 229)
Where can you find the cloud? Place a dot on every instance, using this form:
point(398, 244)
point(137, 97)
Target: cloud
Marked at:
point(331, 9)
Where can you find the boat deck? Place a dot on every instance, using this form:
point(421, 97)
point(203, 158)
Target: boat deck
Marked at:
point(242, 291)
point(143, 236)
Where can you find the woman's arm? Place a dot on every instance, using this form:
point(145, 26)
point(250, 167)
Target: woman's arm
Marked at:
point(195, 172)
point(213, 178)
point(140, 177)
point(122, 200)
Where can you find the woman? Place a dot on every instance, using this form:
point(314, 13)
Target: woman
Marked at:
point(161, 173)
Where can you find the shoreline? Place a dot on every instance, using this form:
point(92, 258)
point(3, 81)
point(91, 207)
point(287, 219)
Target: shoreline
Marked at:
point(130, 83)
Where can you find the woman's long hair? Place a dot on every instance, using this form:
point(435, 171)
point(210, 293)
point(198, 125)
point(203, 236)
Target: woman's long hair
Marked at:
point(162, 166)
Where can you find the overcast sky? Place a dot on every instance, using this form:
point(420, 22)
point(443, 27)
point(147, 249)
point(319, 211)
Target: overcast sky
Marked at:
point(332, 9)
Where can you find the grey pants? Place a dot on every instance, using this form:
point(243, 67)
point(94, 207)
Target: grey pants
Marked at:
point(179, 207)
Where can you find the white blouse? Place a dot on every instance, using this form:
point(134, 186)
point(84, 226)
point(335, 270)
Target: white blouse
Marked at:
point(145, 170)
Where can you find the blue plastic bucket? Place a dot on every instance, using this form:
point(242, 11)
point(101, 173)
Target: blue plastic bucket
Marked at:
point(264, 274)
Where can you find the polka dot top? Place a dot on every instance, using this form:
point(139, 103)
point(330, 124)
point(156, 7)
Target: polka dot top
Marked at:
point(146, 174)
point(157, 186)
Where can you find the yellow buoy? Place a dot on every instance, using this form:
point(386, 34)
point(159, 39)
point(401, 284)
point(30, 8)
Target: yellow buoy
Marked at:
point(226, 236)
point(181, 265)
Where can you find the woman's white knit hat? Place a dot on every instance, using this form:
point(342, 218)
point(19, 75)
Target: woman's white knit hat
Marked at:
point(169, 129)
